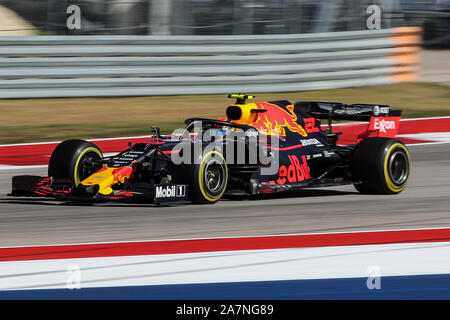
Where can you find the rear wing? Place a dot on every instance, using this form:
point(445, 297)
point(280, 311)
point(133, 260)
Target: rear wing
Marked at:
point(383, 122)
point(341, 111)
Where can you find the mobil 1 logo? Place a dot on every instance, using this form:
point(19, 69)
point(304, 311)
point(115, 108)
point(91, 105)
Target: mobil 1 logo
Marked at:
point(170, 193)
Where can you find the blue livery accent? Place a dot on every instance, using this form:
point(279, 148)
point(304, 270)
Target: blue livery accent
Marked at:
point(394, 287)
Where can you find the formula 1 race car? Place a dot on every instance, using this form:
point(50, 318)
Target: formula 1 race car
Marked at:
point(260, 147)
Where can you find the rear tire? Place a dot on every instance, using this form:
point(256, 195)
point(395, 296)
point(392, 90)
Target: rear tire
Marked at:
point(71, 160)
point(380, 166)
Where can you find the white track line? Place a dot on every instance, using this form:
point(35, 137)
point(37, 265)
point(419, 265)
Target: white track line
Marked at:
point(231, 266)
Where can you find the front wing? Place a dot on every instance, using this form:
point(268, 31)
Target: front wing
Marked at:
point(63, 189)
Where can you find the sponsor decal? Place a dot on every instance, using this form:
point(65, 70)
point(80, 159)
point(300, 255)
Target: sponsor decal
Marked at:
point(296, 171)
point(276, 120)
point(310, 125)
point(125, 158)
point(251, 133)
point(313, 141)
point(384, 110)
point(166, 193)
point(121, 174)
point(349, 111)
point(377, 110)
point(385, 126)
point(170, 191)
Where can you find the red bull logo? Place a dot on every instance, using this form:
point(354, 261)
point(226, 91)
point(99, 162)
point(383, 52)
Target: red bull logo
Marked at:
point(276, 120)
point(106, 177)
point(296, 171)
point(120, 174)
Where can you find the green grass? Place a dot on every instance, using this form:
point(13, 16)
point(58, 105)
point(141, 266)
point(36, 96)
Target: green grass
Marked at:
point(28, 120)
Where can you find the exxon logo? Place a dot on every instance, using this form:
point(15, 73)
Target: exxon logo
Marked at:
point(383, 125)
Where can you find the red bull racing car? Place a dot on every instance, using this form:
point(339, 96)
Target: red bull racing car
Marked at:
point(258, 148)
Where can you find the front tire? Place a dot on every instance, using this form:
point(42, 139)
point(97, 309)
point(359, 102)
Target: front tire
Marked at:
point(72, 159)
point(207, 180)
point(380, 166)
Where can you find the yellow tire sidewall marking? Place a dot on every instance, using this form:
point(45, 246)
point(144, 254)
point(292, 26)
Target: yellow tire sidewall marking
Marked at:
point(90, 149)
point(200, 176)
point(389, 183)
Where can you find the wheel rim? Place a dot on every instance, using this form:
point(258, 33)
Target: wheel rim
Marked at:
point(214, 177)
point(398, 167)
point(87, 166)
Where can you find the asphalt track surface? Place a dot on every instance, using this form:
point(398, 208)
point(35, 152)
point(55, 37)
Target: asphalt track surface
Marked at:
point(425, 203)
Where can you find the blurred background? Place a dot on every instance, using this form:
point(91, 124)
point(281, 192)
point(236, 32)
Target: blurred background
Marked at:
point(96, 69)
point(224, 17)
point(198, 51)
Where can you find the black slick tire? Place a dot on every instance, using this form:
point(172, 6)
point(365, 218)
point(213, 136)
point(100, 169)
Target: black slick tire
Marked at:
point(70, 160)
point(380, 166)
